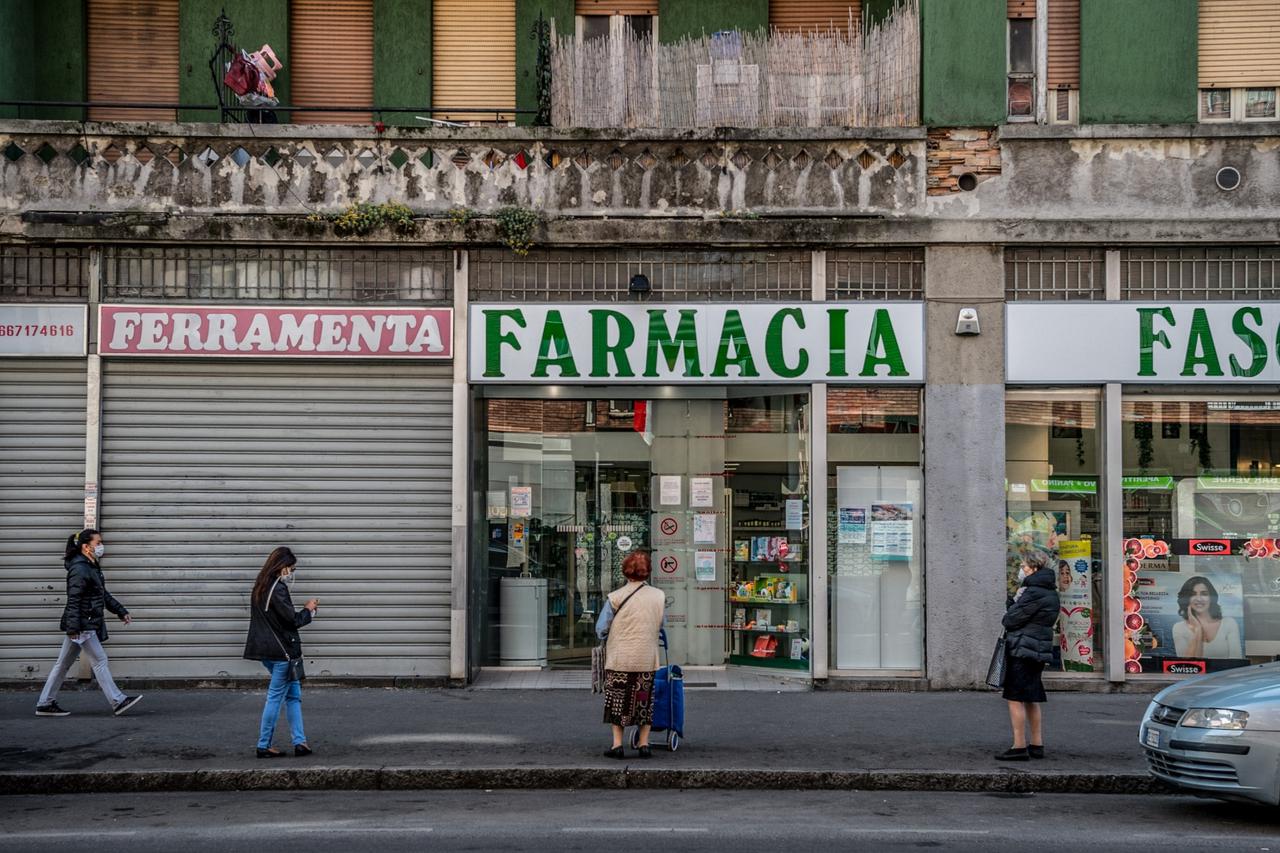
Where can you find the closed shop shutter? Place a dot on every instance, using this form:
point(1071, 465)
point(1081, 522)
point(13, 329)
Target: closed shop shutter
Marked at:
point(474, 58)
point(1022, 8)
point(616, 7)
point(330, 59)
point(809, 15)
point(42, 429)
point(1239, 43)
point(133, 57)
point(209, 464)
point(1064, 44)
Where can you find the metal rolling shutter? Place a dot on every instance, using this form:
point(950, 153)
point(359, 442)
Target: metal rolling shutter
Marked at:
point(42, 429)
point(1022, 8)
point(474, 58)
point(808, 15)
point(1239, 43)
point(1064, 44)
point(330, 59)
point(616, 7)
point(209, 464)
point(133, 56)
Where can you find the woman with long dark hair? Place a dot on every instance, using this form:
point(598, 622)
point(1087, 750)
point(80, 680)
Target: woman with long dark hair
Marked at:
point(273, 640)
point(1203, 632)
point(85, 625)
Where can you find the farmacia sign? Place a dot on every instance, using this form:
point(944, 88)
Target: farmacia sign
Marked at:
point(592, 343)
point(1144, 342)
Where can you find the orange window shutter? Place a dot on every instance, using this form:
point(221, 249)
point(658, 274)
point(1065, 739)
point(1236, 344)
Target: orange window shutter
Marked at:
point(330, 62)
point(1064, 44)
point(133, 57)
point(474, 60)
point(1022, 8)
point(1239, 43)
point(615, 7)
point(795, 16)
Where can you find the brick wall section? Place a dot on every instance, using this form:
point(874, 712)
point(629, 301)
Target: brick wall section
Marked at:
point(953, 151)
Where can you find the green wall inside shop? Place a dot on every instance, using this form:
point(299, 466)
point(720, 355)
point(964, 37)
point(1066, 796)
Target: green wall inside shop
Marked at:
point(42, 56)
point(527, 11)
point(1138, 61)
point(402, 57)
point(679, 19)
point(963, 64)
point(256, 22)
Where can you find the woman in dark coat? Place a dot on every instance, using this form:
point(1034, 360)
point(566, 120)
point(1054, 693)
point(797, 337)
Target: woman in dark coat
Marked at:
point(273, 640)
point(1028, 624)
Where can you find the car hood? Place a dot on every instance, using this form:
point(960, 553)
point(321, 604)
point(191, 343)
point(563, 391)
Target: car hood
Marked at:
point(1255, 689)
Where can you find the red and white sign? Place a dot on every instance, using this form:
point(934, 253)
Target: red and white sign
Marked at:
point(36, 329)
point(312, 331)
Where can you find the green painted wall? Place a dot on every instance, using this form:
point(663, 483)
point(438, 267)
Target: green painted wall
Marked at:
point(402, 57)
point(876, 10)
point(256, 22)
point(1138, 61)
point(560, 11)
point(679, 19)
point(17, 38)
point(42, 56)
point(963, 62)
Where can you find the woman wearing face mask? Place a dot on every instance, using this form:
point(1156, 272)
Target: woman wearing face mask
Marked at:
point(1028, 624)
point(273, 640)
point(85, 626)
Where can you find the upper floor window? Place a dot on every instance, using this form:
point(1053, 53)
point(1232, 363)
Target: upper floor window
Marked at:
point(474, 61)
point(1062, 63)
point(1239, 59)
point(133, 58)
point(1240, 104)
point(603, 19)
point(805, 16)
point(331, 59)
point(1022, 68)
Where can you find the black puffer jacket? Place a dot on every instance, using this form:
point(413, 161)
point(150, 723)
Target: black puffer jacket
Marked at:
point(1029, 621)
point(87, 597)
point(275, 629)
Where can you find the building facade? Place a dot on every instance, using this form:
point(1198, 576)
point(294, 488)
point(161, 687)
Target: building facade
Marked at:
point(836, 377)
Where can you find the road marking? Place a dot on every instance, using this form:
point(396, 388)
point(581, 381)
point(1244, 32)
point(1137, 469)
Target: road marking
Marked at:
point(439, 737)
point(629, 829)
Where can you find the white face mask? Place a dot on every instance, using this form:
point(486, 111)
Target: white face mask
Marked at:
point(288, 579)
point(99, 550)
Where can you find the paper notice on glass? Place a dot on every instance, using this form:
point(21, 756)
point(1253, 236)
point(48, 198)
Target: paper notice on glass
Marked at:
point(795, 514)
point(704, 565)
point(704, 529)
point(700, 492)
point(669, 490)
point(852, 525)
point(521, 501)
point(891, 540)
point(497, 504)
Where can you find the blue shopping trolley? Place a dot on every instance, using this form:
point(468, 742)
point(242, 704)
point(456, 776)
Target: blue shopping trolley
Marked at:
point(668, 701)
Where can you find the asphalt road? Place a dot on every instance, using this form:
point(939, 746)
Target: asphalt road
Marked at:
point(630, 820)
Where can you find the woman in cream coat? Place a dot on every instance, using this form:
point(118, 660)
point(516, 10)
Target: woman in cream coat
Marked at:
point(629, 625)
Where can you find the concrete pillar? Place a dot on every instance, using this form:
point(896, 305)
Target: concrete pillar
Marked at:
point(964, 523)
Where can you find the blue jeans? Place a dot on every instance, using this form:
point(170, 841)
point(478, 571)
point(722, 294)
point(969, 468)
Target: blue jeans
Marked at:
point(288, 692)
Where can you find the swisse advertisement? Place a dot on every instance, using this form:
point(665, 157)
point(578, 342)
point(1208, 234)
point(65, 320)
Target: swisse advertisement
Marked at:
point(585, 343)
point(311, 331)
point(1217, 342)
point(30, 329)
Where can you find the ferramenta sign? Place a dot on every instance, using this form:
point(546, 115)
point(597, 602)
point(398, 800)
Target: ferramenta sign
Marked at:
point(311, 331)
point(589, 343)
point(1144, 342)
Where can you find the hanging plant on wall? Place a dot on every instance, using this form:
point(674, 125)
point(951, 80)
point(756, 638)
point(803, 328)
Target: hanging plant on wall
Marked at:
point(1142, 432)
point(1198, 437)
point(515, 228)
point(366, 217)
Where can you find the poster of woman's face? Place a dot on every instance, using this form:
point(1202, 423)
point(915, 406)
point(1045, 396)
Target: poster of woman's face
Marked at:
point(1173, 599)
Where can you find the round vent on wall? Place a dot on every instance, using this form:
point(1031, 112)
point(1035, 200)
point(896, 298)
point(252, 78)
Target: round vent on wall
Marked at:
point(968, 181)
point(1228, 178)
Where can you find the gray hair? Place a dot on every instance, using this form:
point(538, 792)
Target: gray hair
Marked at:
point(1038, 559)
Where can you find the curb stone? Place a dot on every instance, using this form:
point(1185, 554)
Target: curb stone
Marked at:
point(627, 776)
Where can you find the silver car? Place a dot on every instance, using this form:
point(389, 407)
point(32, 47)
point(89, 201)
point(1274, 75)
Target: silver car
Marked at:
point(1218, 734)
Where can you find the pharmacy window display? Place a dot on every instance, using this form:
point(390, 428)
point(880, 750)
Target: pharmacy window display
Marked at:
point(1201, 528)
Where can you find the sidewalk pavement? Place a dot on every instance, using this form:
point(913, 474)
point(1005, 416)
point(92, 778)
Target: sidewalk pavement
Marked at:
point(376, 738)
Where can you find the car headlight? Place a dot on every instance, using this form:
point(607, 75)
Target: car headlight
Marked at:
point(1215, 718)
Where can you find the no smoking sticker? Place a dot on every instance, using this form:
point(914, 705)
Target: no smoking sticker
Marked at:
point(669, 564)
point(669, 526)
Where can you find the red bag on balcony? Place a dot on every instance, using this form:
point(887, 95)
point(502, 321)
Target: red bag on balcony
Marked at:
point(242, 75)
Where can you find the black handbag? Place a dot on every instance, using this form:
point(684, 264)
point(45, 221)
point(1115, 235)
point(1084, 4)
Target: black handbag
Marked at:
point(297, 671)
point(598, 652)
point(999, 663)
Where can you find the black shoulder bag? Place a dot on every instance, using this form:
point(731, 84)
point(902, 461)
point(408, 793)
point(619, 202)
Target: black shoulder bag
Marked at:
point(297, 672)
point(597, 653)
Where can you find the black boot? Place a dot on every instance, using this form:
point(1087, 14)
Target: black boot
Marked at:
point(1013, 755)
point(616, 752)
point(1035, 750)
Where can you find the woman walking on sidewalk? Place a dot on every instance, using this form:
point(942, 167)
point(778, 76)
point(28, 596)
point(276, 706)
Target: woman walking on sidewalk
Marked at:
point(1028, 624)
point(85, 626)
point(629, 625)
point(273, 640)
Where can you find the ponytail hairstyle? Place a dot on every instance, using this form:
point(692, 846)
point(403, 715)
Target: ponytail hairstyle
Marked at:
point(277, 561)
point(75, 540)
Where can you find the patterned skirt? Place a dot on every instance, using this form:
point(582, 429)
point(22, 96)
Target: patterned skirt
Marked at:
point(628, 698)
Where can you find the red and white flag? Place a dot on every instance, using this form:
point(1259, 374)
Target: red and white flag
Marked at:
point(641, 422)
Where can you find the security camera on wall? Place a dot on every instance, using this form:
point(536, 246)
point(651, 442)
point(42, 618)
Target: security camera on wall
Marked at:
point(967, 322)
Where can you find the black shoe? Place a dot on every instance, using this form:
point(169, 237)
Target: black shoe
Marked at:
point(646, 752)
point(1035, 751)
point(270, 752)
point(616, 752)
point(301, 750)
point(1013, 755)
point(125, 704)
point(52, 709)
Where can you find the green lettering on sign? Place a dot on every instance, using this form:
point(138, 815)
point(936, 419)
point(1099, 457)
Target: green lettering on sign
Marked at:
point(602, 350)
point(685, 342)
point(734, 336)
point(883, 340)
point(553, 350)
point(836, 320)
point(1147, 338)
point(773, 352)
point(1256, 344)
point(494, 338)
point(1200, 347)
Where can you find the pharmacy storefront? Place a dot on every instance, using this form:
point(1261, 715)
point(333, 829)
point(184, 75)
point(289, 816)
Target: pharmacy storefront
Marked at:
point(1143, 445)
point(767, 456)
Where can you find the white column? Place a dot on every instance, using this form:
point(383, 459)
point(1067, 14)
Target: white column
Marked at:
point(819, 633)
point(461, 502)
point(1042, 61)
point(1113, 533)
